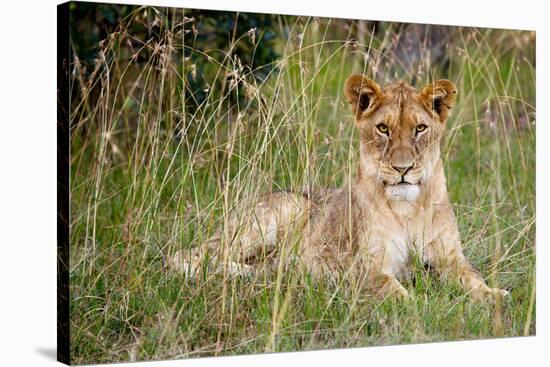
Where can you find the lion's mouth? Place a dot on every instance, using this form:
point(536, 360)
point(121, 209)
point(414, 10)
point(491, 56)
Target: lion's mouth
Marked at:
point(402, 190)
point(400, 183)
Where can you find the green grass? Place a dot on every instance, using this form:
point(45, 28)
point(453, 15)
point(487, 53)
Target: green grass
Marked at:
point(150, 176)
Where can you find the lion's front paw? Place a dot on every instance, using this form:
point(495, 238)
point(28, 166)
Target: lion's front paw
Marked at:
point(486, 294)
point(393, 289)
point(402, 294)
point(502, 292)
point(186, 265)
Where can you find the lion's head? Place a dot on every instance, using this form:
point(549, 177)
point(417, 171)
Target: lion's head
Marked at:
point(400, 131)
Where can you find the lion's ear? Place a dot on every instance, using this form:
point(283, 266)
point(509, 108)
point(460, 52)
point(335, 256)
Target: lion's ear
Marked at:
point(361, 92)
point(439, 96)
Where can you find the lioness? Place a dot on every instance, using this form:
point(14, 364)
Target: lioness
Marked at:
point(398, 204)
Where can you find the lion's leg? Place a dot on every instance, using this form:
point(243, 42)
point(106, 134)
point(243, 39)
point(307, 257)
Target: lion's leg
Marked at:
point(387, 285)
point(253, 235)
point(274, 221)
point(381, 276)
point(447, 258)
point(188, 262)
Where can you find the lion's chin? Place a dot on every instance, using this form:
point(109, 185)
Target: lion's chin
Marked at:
point(403, 192)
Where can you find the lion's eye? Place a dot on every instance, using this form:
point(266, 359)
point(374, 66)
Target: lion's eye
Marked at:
point(420, 128)
point(383, 128)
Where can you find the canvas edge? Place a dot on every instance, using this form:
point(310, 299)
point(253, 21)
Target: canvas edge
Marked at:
point(63, 126)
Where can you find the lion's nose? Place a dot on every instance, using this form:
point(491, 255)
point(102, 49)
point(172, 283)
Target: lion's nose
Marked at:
point(402, 169)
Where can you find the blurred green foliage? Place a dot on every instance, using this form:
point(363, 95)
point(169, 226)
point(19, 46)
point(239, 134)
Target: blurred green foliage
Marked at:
point(91, 23)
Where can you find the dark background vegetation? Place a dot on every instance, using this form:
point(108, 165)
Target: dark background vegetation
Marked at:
point(413, 45)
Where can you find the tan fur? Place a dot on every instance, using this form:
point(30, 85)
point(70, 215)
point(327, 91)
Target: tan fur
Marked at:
point(397, 206)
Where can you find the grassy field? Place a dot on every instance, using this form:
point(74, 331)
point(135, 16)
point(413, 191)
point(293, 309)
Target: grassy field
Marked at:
point(151, 174)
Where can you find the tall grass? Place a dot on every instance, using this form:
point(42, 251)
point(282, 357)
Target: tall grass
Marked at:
point(153, 172)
